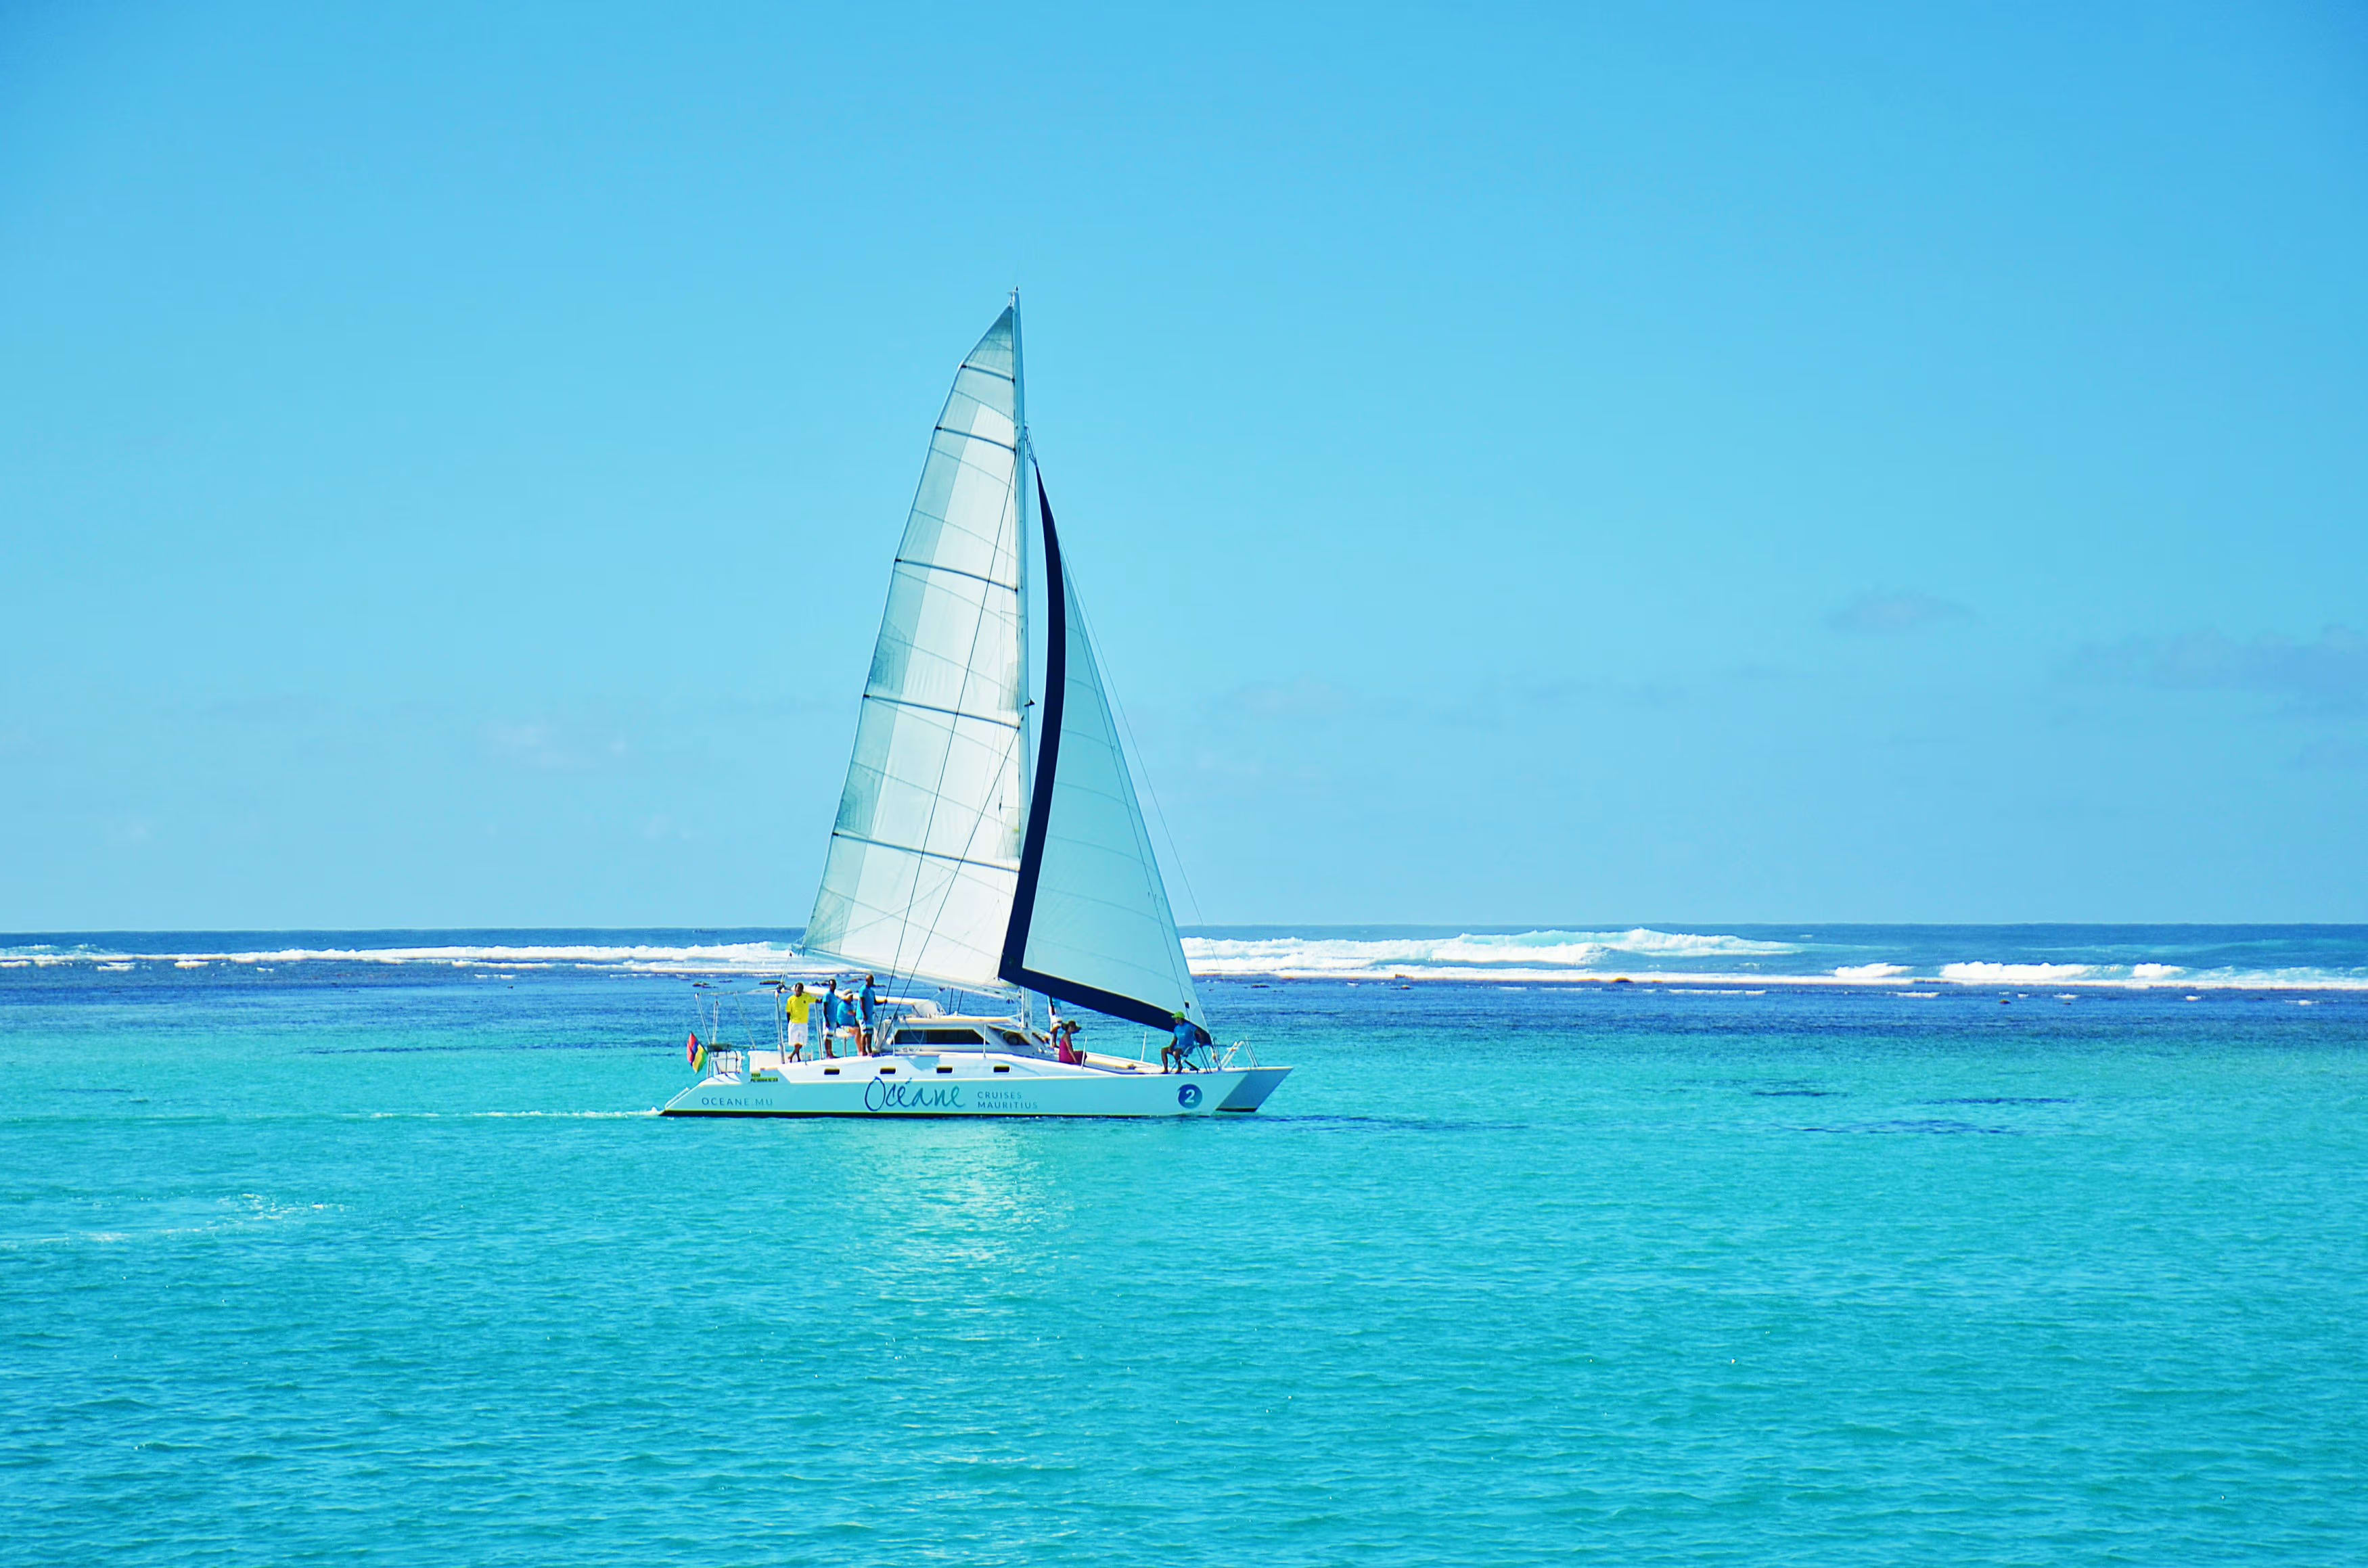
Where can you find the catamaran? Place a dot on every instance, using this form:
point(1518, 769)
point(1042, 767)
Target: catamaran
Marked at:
point(955, 862)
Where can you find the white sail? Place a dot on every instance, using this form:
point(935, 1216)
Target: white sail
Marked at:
point(1092, 923)
point(924, 854)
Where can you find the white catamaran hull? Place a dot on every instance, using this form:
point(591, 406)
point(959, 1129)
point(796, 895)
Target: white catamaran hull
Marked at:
point(986, 1083)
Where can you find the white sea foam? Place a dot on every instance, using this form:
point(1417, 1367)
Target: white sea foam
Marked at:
point(247, 1210)
point(2016, 973)
point(1547, 955)
point(1544, 956)
point(727, 958)
point(1658, 957)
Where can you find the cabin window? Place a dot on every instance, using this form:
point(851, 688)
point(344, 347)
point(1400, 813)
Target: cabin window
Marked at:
point(1003, 1067)
point(888, 1067)
point(945, 1069)
point(830, 1072)
point(939, 1037)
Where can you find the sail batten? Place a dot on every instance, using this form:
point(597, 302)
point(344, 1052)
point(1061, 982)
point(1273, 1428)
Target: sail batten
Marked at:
point(954, 713)
point(951, 571)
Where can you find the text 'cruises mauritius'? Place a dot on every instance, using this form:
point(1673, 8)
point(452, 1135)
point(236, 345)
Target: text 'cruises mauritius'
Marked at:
point(987, 845)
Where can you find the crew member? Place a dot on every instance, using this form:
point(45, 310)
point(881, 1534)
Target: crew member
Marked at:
point(1188, 1037)
point(801, 1010)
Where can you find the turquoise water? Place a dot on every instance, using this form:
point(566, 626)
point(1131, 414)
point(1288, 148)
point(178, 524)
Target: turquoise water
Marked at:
point(320, 1259)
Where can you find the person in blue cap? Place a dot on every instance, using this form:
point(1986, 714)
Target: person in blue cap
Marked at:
point(1176, 1056)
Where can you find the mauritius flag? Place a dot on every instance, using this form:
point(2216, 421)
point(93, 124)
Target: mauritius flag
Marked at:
point(690, 1052)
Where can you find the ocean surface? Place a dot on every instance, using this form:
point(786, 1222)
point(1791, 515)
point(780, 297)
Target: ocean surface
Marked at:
point(1803, 1245)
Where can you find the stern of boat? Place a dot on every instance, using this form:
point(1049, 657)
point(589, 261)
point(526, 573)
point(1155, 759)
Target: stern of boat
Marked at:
point(1256, 1085)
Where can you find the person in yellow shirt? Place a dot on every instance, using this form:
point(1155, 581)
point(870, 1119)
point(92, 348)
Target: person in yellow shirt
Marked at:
point(801, 1010)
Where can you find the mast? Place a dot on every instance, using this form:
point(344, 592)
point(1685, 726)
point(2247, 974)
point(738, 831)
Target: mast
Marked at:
point(1020, 520)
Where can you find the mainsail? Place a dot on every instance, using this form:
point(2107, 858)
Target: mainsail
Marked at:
point(1090, 923)
point(924, 859)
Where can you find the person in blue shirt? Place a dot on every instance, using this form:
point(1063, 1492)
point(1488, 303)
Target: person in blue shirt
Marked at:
point(869, 1005)
point(830, 1017)
point(842, 1017)
point(1176, 1056)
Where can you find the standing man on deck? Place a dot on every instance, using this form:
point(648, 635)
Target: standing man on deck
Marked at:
point(800, 1007)
point(870, 1003)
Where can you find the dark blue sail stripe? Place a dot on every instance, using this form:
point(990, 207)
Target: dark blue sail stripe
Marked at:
point(1014, 967)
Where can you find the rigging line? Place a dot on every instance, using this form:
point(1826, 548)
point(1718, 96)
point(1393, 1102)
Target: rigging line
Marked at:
point(936, 796)
point(937, 791)
point(1174, 855)
point(1013, 487)
point(920, 489)
point(947, 896)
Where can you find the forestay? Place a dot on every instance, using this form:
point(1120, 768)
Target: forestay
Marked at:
point(1091, 923)
point(924, 859)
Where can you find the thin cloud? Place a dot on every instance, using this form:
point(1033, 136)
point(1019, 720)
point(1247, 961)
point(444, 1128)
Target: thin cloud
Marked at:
point(2327, 676)
point(546, 747)
point(1894, 614)
point(1293, 701)
point(2346, 754)
point(287, 709)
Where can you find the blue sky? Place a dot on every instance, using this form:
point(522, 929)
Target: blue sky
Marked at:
point(1573, 465)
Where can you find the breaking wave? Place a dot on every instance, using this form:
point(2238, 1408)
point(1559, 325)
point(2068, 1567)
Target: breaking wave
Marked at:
point(722, 958)
point(1539, 955)
point(1679, 957)
point(2019, 974)
point(1857, 958)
